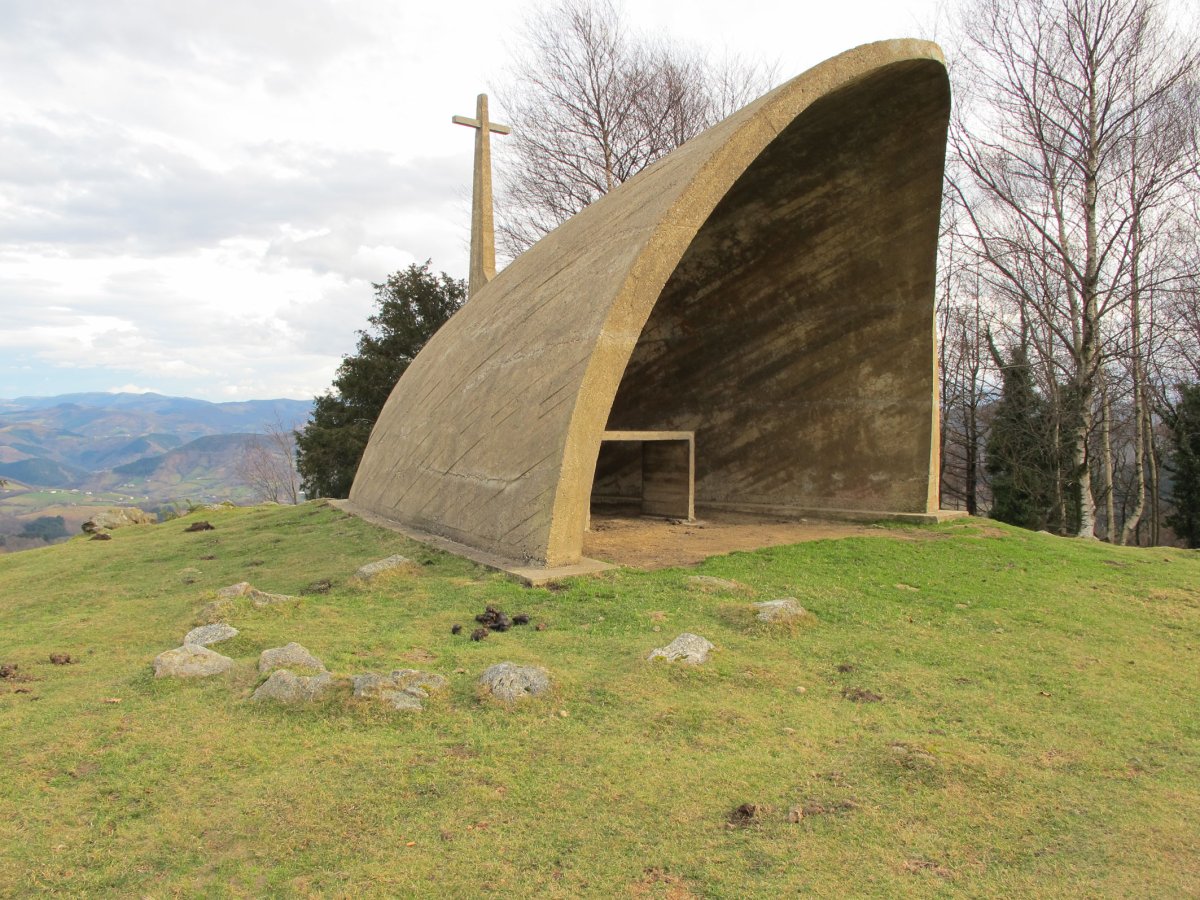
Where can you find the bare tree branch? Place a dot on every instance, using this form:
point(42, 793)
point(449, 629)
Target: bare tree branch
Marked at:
point(591, 105)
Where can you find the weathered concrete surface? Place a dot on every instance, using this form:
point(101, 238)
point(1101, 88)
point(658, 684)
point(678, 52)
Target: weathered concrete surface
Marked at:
point(769, 286)
point(520, 571)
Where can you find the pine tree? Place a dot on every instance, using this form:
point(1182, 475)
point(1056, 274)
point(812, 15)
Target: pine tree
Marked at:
point(1020, 450)
point(411, 306)
point(1184, 464)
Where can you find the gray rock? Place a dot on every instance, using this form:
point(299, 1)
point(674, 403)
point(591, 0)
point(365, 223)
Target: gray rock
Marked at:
point(369, 684)
point(257, 597)
point(689, 648)
point(403, 689)
point(207, 635)
point(709, 583)
point(402, 700)
point(779, 610)
point(118, 517)
point(287, 687)
point(190, 661)
point(370, 570)
point(291, 656)
point(509, 682)
point(262, 598)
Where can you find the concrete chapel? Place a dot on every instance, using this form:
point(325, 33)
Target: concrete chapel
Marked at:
point(747, 325)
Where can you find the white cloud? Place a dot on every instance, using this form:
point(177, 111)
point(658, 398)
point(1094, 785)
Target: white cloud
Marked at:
point(131, 389)
point(199, 196)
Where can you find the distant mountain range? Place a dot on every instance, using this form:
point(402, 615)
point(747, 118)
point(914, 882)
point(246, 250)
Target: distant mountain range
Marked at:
point(76, 450)
point(60, 441)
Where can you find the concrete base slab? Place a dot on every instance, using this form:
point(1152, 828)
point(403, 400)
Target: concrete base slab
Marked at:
point(791, 513)
point(727, 528)
point(648, 544)
point(522, 572)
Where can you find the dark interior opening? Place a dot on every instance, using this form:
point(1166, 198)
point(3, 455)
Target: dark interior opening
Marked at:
point(794, 335)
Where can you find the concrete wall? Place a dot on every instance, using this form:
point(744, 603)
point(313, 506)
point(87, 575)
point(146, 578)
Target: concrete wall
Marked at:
point(491, 437)
point(796, 336)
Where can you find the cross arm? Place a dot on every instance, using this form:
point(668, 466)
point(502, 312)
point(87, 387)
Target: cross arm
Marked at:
point(474, 123)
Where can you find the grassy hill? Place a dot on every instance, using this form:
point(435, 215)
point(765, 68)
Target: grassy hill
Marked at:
point(1037, 732)
point(205, 469)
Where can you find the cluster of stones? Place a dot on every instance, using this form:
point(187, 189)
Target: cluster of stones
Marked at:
point(284, 685)
point(694, 650)
point(295, 675)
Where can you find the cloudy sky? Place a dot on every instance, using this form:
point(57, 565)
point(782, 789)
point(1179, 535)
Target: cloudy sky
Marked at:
point(195, 197)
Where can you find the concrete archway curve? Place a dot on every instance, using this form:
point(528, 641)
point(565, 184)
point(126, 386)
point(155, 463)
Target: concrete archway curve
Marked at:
point(811, 214)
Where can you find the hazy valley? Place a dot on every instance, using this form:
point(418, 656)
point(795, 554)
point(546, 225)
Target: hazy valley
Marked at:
point(68, 455)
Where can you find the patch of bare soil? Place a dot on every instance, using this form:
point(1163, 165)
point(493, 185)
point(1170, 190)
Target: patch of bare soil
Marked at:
point(10, 672)
point(812, 808)
point(747, 814)
point(655, 882)
point(915, 866)
point(860, 695)
point(645, 543)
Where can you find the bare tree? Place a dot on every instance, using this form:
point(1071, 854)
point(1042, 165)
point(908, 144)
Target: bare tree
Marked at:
point(967, 379)
point(268, 465)
point(592, 104)
point(1067, 141)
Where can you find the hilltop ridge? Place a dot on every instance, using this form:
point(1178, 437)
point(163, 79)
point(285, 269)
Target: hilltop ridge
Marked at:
point(74, 452)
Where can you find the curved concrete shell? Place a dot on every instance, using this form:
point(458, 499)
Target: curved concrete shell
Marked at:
point(769, 286)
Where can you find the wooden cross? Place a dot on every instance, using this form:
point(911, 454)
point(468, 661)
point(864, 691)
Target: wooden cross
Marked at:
point(483, 235)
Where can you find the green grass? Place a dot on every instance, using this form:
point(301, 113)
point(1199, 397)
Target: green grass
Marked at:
point(1038, 733)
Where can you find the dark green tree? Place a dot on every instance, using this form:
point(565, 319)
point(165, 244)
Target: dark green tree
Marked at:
point(410, 307)
point(48, 528)
point(1184, 463)
point(1020, 449)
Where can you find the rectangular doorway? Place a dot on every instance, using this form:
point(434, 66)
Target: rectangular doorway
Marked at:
point(654, 470)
